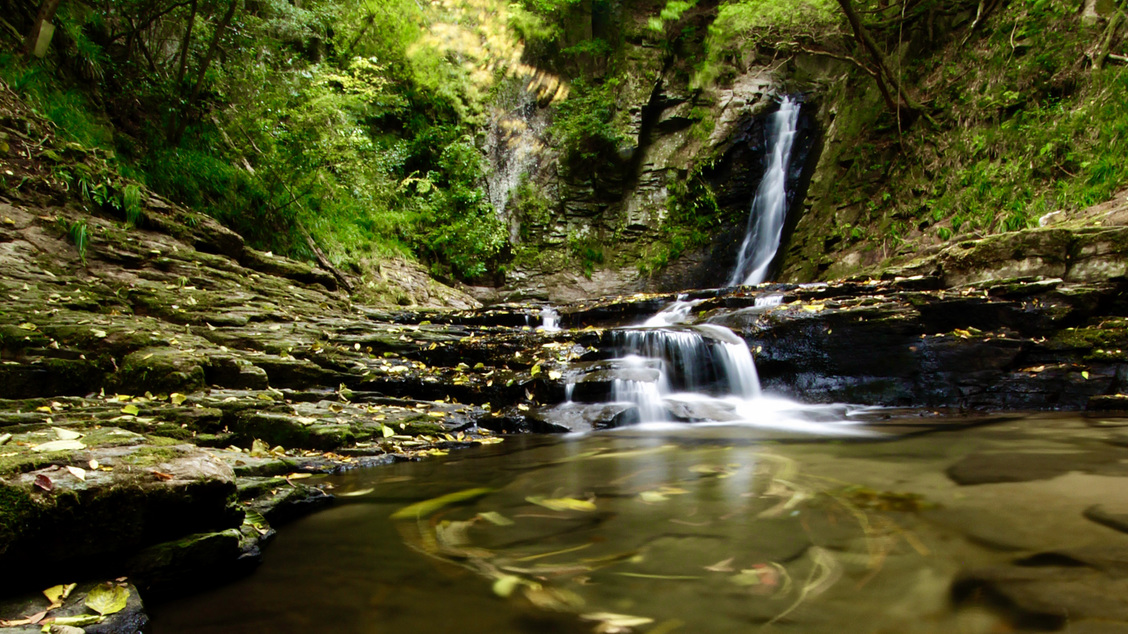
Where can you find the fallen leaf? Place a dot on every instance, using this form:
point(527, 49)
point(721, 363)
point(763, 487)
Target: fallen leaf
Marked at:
point(59, 445)
point(617, 621)
point(131, 410)
point(107, 599)
point(28, 326)
point(45, 483)
point(77, 472)
point(5, 438)
point(77, 621)
point(177, 398)
point(160, 475)
point(506, 584)
point(495, 518)
point(66, 434)
point(354, 494)
point(1085, 374)
point(426, 507)
point(94, 464)
point(721, 566)
point(562, 504)
point(57, 594)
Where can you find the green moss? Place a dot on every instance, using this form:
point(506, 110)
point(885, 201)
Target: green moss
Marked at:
point(16, 506)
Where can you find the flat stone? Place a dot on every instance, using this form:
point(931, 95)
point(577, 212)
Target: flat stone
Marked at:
point(986, 468)
point(1114, 518)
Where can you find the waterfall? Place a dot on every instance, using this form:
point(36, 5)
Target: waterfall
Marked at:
point(550, 319)
point(769, 205)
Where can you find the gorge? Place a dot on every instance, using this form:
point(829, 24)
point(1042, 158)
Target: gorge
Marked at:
point(563, 315)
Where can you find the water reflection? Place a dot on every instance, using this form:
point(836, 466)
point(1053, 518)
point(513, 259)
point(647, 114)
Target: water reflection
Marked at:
point(683, 530)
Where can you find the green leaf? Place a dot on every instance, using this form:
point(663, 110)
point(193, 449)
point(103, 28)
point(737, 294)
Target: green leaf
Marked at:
point(177, 398)
point(1085, 374)
point(131, 410)
point(107, 599)
point(387, 431)
point(426, 507)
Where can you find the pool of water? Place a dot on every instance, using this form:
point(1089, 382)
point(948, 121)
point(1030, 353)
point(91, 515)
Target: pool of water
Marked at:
point(698, 529)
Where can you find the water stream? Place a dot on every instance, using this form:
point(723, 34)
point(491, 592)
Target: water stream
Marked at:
point(694, 529)
point(769, 206)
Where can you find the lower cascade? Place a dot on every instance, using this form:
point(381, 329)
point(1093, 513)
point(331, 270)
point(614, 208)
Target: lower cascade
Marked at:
point(669, 370)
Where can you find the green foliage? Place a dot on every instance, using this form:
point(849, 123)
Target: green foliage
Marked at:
point(693, 219)
point(672, 12)
point(1027, 133)
point(583, 124)
point(78, 234)
point(741, 25)
point(588, 251)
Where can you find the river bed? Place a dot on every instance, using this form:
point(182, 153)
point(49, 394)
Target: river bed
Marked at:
point(922, 527)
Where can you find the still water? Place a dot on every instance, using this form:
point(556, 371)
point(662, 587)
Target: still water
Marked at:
point(687, 529)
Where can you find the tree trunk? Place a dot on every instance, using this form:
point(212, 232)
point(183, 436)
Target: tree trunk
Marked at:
point(182, 120)
point(183, 64)
point(46, 12)
point(1104, 47)
point(885, 78)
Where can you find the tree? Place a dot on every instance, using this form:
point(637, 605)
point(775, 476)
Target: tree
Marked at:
point(46, 12)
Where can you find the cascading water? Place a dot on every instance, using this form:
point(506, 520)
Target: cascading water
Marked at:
point(769, 206)
point(674, 371)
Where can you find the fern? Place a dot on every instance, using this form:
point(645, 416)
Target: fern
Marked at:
point(131, 202)
point(80, 237)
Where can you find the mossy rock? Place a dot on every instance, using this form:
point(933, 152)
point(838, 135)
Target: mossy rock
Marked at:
point(160, 369)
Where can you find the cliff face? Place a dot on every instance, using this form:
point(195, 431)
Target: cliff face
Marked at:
point(872, 187)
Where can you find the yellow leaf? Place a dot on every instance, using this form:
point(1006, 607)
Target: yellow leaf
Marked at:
point(28, 326)
point(536, 370)
point(495, 518)
point(554, 374)
point(426, 507)
point(43, 409)
point(130, 409)
point(506, 584)
point(177, 398)
point(387, 431)
point(107, 599)
point(1085, 374)
point(562, 504)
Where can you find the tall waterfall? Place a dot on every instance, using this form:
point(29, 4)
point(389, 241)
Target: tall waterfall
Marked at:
point(769, 206)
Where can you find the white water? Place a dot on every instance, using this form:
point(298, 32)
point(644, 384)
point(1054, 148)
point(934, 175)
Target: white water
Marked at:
point(550, 319)
point(704, 373)
point(769, 206)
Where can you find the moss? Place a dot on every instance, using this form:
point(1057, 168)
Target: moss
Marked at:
point(1112, 335)
point(16, 506)
point(152, 455)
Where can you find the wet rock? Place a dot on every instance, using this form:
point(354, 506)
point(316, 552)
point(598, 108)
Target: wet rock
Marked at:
point(164, 369)
point(1050, 589)
point(130, 620)
point(986, 468)
point(1114, 518)
point(580, 417)
point(148, 494)
point(194, 560)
